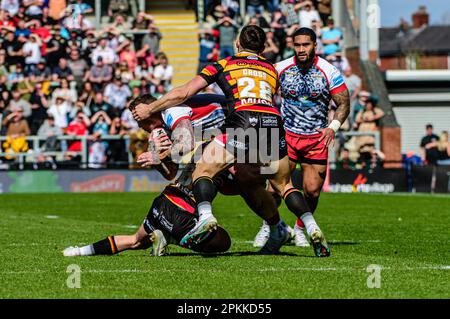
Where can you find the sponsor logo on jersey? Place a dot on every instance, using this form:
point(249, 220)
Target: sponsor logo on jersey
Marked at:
point(253, 120)
point(236, 144)
point(252, 100)
point(269, 121)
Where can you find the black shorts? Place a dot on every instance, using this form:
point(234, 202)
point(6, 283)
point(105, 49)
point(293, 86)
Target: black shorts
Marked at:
point(170, 218)
point(255, 135)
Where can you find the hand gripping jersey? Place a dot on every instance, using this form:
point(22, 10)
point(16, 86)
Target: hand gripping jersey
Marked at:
point(248, 81)
point(203, 110)
point(306, 97)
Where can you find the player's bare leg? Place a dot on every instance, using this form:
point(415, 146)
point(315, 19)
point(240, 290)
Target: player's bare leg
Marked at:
point(215, 158)
point(112, 245)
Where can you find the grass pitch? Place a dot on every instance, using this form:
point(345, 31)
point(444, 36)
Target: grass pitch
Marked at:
point(407, 236)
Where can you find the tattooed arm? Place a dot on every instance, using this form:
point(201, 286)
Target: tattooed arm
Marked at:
point(183, 140)
point(165, 155)
point(342, 101)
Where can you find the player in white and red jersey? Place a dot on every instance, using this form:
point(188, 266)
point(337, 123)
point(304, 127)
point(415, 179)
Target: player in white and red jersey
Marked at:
point(308, 83)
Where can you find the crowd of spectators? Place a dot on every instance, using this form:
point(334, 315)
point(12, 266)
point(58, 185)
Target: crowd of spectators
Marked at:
point(61, 76)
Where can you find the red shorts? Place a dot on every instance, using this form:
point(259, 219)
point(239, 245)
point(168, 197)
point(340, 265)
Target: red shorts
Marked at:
point(306, 148)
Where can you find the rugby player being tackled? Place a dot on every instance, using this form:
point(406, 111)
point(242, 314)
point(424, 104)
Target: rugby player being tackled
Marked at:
point(249, 82)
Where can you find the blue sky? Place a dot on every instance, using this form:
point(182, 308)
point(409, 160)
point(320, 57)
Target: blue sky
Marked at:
point(393, 10)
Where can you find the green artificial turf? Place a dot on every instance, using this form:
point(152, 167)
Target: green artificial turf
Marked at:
point(407, 236)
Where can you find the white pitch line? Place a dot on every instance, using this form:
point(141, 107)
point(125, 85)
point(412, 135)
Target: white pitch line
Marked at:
point(272, 269)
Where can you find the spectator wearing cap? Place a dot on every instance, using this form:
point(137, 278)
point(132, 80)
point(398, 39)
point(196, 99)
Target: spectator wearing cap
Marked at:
point(430, 155)
point(100, 74)
point(42, 73)
point(228, 30)
point(331, 38)
point(117, 93)
point(32, 52)
point(107, 54)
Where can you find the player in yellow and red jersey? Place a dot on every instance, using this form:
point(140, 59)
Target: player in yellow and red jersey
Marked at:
point(253, 133)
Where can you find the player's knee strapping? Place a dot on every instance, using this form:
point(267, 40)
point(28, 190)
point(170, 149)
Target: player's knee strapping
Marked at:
point(204, 189)
point(105, 246)
point(295, 202)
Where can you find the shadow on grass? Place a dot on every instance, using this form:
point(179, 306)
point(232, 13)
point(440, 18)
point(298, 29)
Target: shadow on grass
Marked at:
point(231, 254)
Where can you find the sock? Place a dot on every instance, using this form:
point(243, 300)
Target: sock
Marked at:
point(299, 223)
point(295, 202)
point(310, 223)
point(87, 250)
point(274, 228)
point(204, 193)
point(277, 199)
point(105, 246)
point(204, 209)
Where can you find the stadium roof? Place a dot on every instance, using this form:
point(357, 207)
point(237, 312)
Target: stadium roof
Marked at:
point(425, 40)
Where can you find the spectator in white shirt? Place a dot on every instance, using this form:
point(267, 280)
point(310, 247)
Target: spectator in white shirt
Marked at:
point(164, 72)
point(12, 6)
point(307, 14)
point(108, 55)
point(32, 52)
point(117, 93)
point(59, 112)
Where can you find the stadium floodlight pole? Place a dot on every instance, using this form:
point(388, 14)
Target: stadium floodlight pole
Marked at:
point(363, 32)
point(242, 6)
point(98, 10)
point(338, 6)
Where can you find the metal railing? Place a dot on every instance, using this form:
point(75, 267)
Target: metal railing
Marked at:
point(36, 150)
